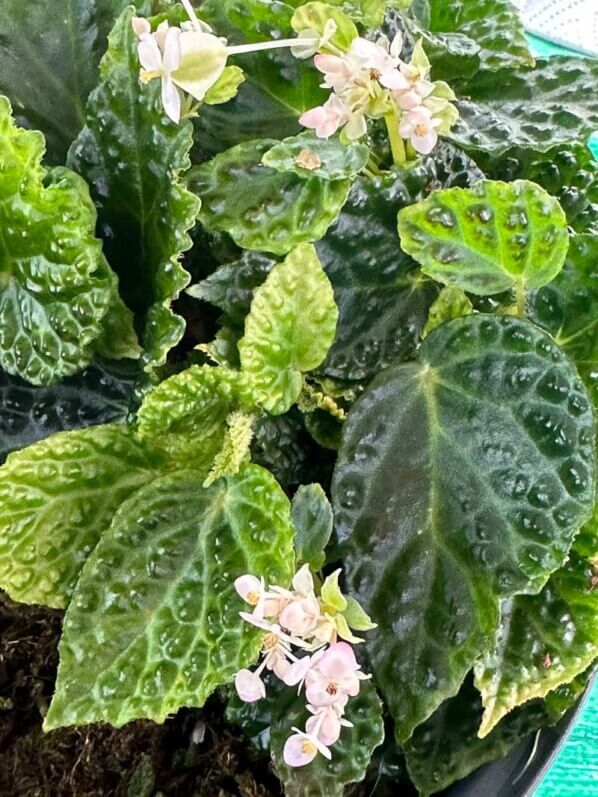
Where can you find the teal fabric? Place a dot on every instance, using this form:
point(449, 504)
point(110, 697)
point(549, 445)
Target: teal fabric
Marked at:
point(575, 770)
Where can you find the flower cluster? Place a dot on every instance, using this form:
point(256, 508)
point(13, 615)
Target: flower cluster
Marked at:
point(299, 621)
point(371, 81)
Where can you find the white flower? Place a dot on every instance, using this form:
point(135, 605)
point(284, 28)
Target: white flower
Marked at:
point(335, 678)
point(419, 126)
point(253, 591)
point(300, 616)
point(298, 670)
point(161, 63)
point(414, 96)
point(339, 72)
point(301, 749)
point(326, 724)
point(326, 119)
point(249, 686)
point(380, 59)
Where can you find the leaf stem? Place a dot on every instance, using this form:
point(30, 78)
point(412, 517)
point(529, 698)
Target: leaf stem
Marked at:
point(397, 146)
point(521, 297)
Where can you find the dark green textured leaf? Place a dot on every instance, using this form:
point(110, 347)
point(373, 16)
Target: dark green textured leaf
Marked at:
point(488, 238)
point(282, 445)
point(50, 62)
point(535, 109)
point(57, 498)
point(278, 87)
point(544, 641)
point(28, 414)
point(464, 520)
point(154, 623)
point(261, 208)
point(55, 284)
point(351, 755)
point(289, 329)
point(446, 747)
point(132, 156)
point(307, 155)
point(312, 518)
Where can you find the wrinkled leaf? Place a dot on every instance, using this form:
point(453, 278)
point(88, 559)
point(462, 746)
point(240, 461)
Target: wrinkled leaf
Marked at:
point(544, 641)
point(451, 303)
point(488, 238)
point(226, 87)
point(55, 284)
point(289, 329)
point(282, 445)
point(307, 155)
point(50, 62)
point(446, 748)
point(57, 499)
point(261, 208)
point(27, 414)
point(312, 518)
point(539, 108)
point(464, 521)
point(132, 156)
point(154, 623)
point(118, 340)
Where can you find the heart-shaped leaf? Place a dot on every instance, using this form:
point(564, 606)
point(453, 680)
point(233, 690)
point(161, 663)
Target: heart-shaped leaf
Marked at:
point(261, 208)
point(307, 155)
point(154, 622)
point(132, 156)
point(55, 284)
point(460, 526)
point(27, 414)
point(289, 329)
point(488, 238)
point(57, 498)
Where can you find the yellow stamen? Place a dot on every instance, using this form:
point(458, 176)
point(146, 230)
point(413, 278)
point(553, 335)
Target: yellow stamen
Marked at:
point(421, 129)
point(270, 641)
point(253, 598)
point(145, 76)
point(308, 747)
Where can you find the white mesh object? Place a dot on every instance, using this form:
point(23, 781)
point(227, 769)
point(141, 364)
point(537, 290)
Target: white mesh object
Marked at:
point(572, 23)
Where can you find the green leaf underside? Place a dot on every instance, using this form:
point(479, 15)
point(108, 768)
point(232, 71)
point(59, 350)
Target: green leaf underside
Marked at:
point(487, 238)
point(132, 155)
point(50, 63)
point(57, 498)
point(555, 103)
point(337, 161)
point(289, 329)
point(446, 748)
point(154, 622)
point(312, 518)
point(544, 641)
point(278, 87)
point(451, 303)
point(28, 414)
point(351, 755)
point(469, 516)
point(55, 285)
point(494, 25)
point(261, 208)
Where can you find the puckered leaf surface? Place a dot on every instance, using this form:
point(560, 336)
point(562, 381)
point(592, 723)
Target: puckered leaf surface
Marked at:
point(261, 208)
point(55, 284)
point(487, 238)
point(154, 622)
point(57, 498)
point(312, 518)
point(132, 156)
point(306, 155)
point(483, 467)
point(289, 329)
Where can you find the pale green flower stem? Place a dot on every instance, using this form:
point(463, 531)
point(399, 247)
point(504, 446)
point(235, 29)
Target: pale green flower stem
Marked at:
point(241, 49)
point(397, 145)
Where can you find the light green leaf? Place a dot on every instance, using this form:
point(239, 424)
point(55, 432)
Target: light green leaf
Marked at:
point(451, 303)
point(132, 155)
point(544, 641)
point(50, 62)
point(235, 447)
point(314, 16)
point(488, 238)
point(154, 622)
point(57, 499)
point(369, 12)
point(535, 109)
point(470, 514)
point(307, 155)
point(226, 87)
point(186, 414)
point(331, 592)
point(289, 330)
point(261, 208)
point(351, 755)
point(355, 616)
point(118, 339)
point(55, 284)
point(446, 748)
point(313, 519)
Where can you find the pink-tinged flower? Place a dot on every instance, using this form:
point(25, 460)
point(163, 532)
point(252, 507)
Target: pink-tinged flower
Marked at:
point(274, 630)
point(249, 686)
point(301, 749)
point(335, 678)
point(419, 126)
point(278, 663)
point(381, 60)
point(414, 96)
point(339, 71)
point(298, 670)
point(253, 591)
point(300, 616)
point(326, 119)
point(326, 724)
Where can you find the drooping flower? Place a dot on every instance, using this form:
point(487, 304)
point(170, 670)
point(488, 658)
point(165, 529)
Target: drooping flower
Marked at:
point(335, 678)
point(301, 748)
point(328, 118)
point(326, 723)
point(420, 128)
point(249, 686)
point(253, 591)
point(162, 62)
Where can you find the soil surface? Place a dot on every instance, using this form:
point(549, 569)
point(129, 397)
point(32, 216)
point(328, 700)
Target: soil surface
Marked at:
point(194, 754)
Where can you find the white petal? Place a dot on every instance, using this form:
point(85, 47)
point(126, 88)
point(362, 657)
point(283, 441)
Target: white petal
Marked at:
point(248, 586)
point(171, 59)
point(203, 59)
point(141, 26)
point(249, 686)
point(149, 53)
point(356, 127)
point(171, 100)
point(303, 580)
point(396, 45)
